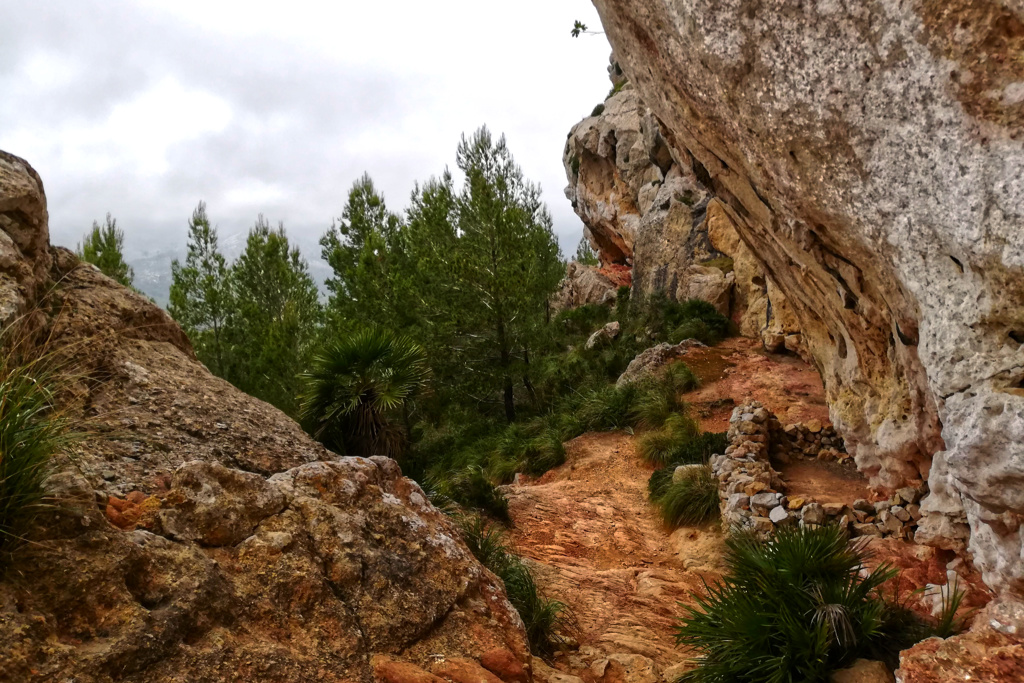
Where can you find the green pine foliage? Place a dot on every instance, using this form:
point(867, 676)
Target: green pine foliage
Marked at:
point(585, 254)
point(252, 322)
point(103, 246)
point(201, 297)
point(275, 318)
point(500, 381)
point(795, 607)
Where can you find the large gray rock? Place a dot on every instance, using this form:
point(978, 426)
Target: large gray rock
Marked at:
point(583, 285)
point(199, 533)
point(643, 206)
point(649, 362)
point(873, 156)
point(24, 238)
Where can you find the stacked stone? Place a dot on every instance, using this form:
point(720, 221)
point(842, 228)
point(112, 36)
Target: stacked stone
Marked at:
point(751, 490)
point(810, 440)
point(753, 493)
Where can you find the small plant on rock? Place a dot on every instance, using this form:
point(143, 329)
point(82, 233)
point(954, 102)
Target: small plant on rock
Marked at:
point(545, 620)
point(32, 432)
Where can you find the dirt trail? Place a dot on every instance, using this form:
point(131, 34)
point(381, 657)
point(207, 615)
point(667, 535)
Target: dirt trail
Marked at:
point(599, 547)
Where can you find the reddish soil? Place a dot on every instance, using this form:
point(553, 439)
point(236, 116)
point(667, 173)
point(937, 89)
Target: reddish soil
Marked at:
point(739, 370)
point(825, 482)
point(598, 546)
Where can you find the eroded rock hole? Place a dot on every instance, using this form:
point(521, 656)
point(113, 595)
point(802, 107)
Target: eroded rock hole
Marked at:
point(842, 347)
point(959, 265)
point(702, 174)
point(1017, 336)
point(906, 339)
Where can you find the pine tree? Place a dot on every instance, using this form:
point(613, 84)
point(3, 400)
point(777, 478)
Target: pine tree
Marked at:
point(507, 261)
point(201, 298)
point(275, 317)
point(103, 247)
point(361, 248)
point(585, 254)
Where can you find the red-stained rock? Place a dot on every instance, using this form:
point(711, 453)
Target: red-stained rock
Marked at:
point(136, 497)
point(986, 656)
point(504, 665)
point(461, 670)
point(387, 670)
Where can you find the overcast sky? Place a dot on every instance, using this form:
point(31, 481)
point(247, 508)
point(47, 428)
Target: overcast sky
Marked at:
point(142, 108)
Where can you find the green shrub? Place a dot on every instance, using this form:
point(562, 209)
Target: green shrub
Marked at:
point(574, 163)
point(32, 432)
point(544, 619)
point(694, 329)
point(658, 398)
point(793, 608)
point(609, 407)
point(582, 321)
point(356, 384)
point(691, 500)
point(616, 88)
point(598, 110)
point(948, 623)
point(679, 378)
point(697, 319)
point(659, 481)
point(622, 303)
point(669, 443)
point(532, 448)
point(470, 488)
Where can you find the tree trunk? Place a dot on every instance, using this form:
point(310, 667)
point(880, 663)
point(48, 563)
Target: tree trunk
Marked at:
point(510, 405)
point(526, 376)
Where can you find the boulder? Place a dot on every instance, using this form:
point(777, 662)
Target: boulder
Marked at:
point(650, 361)
point(608, 333)
point(864, 671)
point(645, 207)
point(583, 285)
point(626, 668)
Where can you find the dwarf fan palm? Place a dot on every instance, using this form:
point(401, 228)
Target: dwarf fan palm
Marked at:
point(355, 386)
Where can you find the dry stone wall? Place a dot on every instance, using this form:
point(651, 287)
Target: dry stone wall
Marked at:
point(754, 494)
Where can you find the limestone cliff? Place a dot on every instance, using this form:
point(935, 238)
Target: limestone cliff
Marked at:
point(198, 534)
point(871, 157)
point(645, 207)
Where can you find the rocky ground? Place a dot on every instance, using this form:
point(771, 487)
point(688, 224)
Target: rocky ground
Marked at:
point(599, 547)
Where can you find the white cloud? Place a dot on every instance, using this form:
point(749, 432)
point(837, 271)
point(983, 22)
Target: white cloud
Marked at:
point(144, 107)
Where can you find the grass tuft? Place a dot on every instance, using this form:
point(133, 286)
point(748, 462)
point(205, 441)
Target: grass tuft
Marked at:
point(691, 500)
point(545, 620)
point(32, 432)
